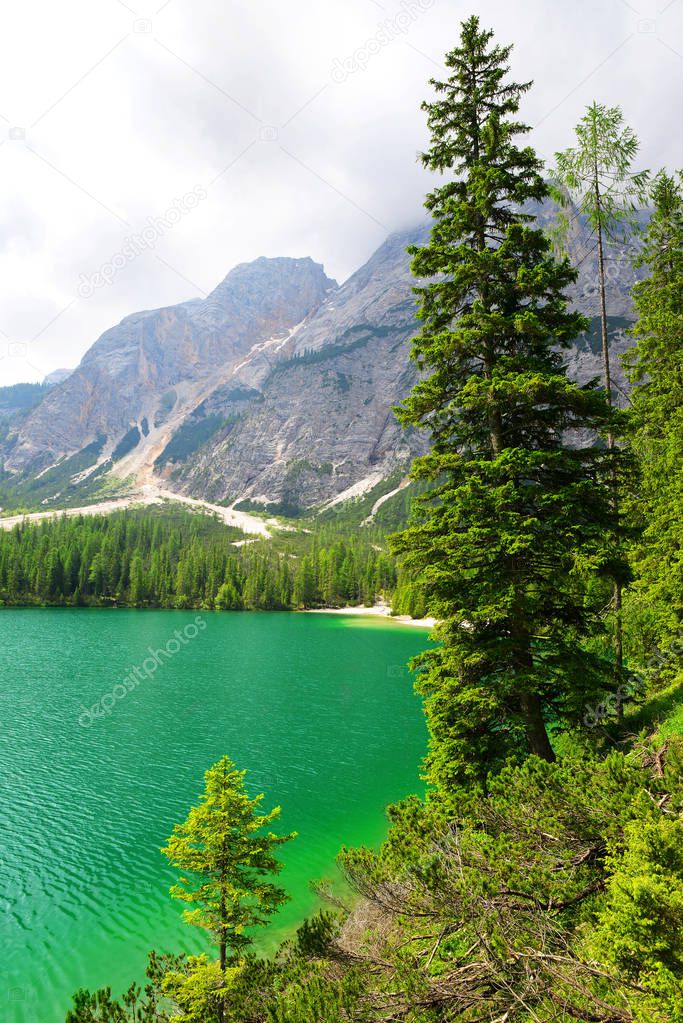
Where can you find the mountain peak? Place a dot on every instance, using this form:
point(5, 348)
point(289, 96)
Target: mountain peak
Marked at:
point(156, 365)
point(276, 269)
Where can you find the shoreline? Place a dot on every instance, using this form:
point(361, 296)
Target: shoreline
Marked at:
point(353, 611)
point(376, 611)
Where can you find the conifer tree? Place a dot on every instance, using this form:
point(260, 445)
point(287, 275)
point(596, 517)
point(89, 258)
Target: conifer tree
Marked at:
point(597, 175)
point(655, 366)
point(304, 583)
point(229, 855)
point(516, 517)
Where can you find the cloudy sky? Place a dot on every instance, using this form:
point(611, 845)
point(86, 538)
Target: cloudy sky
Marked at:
point(147, 147)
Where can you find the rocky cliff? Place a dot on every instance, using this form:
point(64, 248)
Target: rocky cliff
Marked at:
point(156, 366)
point(319, 422)
point(279, 387)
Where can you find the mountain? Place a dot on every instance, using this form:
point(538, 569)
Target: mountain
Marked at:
point(276, 389)
point(16, 402)
point(57, 376)
point(155, 367)
point(319, 424)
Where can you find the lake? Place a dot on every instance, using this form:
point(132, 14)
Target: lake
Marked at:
point(110, 718)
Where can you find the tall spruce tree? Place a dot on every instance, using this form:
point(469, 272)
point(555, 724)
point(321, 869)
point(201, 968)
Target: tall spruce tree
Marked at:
point(516, 518)
point(655, 366)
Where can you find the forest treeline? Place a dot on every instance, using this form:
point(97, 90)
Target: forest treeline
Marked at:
point(174, 558)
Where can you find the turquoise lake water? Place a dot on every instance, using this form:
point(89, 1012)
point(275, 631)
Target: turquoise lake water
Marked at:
point(95, 771)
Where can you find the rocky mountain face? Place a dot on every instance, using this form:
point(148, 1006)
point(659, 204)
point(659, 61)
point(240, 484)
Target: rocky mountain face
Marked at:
point(319, 423)
point(57, 376)
point(156, 366)
point(16, 403)
point(279, 387)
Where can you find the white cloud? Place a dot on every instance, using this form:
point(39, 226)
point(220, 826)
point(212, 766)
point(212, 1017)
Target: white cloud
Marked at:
point(127, 107)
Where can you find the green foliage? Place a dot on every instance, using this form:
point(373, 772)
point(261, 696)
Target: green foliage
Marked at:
point(638, 930)
point(54, 485)
point(223, 847)
point(295, 485)
point(645, 899)
point(175, 558)
point(166, 405)
point(516, 520)
point(346, 344)
point(190, 437)
point(314, 937)
point(318, 999)
point(128, 442)
point(338, 380)
point(596, 173)
point(21, 397)
point(194, 986)
point(597, 176)
point(655, 366)
point(553, 897)
point(100, 1007)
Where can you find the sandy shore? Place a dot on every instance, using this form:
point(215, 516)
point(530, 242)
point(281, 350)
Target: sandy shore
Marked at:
point(378, 611)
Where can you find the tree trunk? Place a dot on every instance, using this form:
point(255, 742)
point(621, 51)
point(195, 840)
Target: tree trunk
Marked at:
point(496, 431)
point(523, 662)
point(617, 597)
point(534, 725)
point(618, 649)
point(603, 322)
point(223, 963)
